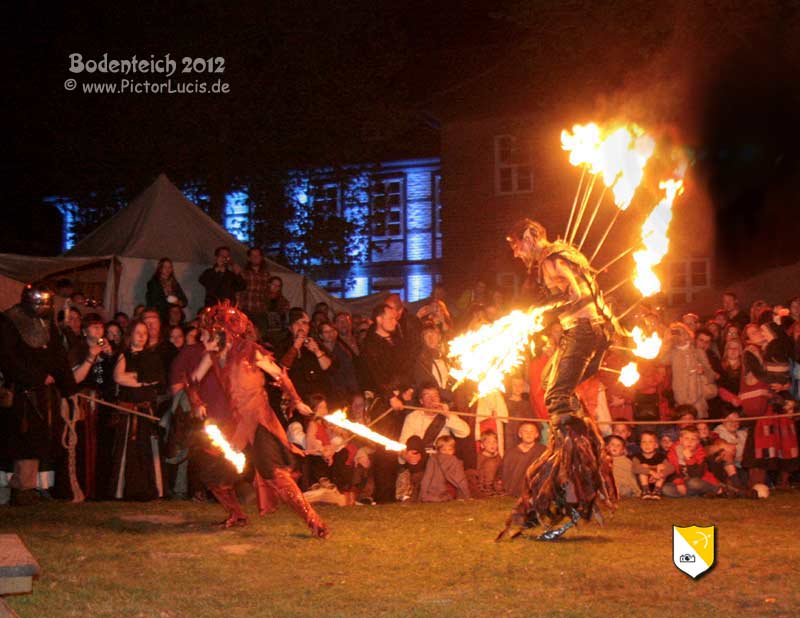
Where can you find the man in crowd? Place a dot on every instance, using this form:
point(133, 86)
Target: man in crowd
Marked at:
point(308, 364)
point(223, 280)
point(430, 425)
point(253, 299)
point(409, 327)
point(342, 372)
point(730, 304)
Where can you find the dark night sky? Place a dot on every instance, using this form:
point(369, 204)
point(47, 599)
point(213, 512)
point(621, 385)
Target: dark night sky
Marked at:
point(314, 82)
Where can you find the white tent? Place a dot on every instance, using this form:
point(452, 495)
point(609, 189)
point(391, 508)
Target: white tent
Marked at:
point(162, 222)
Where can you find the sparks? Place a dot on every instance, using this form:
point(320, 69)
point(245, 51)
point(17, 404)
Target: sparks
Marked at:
point(646, 347)
point(218, 440)
point(487, 355)
point(655, 239)
point(339, 418)
point(629, 374)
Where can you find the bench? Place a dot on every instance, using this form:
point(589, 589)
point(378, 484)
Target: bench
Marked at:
point(17, 566)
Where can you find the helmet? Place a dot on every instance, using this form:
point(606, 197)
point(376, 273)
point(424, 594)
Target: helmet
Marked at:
point(38, 298)
point(226, 320)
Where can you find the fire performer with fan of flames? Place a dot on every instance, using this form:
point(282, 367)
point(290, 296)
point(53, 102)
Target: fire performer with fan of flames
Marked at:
point(252, 426)
point(574, 472)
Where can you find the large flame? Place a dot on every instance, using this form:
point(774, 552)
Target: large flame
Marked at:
point(655, 240)
point(488, 354)
point(629, 374)
point(218, 440)
point(339, 418)
point(646, 347)
point(619, 156)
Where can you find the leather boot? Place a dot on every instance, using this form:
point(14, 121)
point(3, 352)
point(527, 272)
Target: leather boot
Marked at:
point(289, 493)
point(226, 496)
point(267, 500)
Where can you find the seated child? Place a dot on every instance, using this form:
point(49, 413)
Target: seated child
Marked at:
point(518, 459)
point(623, 470)
point(692, 476)
point(665, 442)
point(623, 430)
point(409, 477)
point(363, 477)
point(727, 450)
point(444, 477)
point(651, 466)
point(487, 477)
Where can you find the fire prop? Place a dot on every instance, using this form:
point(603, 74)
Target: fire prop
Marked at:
point(339, 418)
point(655, 240)
point(628, 375)
point(218, 440)
point(646, 347)
point(487, 355)
point(619, 157)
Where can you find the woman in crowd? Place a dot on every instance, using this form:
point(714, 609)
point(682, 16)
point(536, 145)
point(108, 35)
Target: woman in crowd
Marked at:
point(114, 335)
point(164, 291)
point(139, 372)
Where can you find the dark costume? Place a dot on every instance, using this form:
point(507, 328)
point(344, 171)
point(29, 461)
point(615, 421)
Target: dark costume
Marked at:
point(30, 351)
point(253, 426)
point(575, 471)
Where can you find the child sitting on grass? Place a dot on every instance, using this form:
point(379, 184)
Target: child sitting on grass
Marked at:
point(444, 477)
point(623, 470)
point(518, 459)
point(490, 465)
point(692, 476)
point(651, 466)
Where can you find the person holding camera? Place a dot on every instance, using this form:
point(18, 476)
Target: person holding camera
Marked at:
point(693, 379)
point(306, 361)
point(223, 280)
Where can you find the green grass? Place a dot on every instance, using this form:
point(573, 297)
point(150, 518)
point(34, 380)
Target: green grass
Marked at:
point(404, 560)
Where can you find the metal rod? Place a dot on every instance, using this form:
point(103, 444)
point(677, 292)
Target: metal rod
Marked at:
point(582, 209)
point(622, 348)
point(629, 309)
point(610, 370)
point(575, 201)
point(615, 260)
point(591, 220)
point(605, 235)
point(616, 287)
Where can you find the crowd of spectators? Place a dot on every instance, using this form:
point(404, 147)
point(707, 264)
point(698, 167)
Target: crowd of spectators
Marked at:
point(390, 369)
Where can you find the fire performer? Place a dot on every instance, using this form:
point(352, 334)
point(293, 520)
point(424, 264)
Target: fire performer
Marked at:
point(574, 472)
point(253, 428)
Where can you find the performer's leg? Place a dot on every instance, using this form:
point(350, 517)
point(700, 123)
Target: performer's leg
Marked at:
point(270, 461)
point(267, 500)
point(575, 352)
point(226, 496)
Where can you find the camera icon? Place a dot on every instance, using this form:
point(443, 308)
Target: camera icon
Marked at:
point(686, 558)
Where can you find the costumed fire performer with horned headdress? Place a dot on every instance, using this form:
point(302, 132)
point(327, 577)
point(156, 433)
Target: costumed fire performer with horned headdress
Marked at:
point(252, 426)
point(574, 472)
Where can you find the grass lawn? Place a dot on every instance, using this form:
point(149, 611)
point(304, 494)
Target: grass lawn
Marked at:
point(163, 560)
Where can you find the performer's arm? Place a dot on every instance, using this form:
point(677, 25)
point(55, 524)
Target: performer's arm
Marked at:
point(267, 364)
point(202, 368)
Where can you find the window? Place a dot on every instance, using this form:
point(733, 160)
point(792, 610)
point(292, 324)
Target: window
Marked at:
point(386, 201)
point(437, 206)
point(686, 278)
point(513, 170)
point(326, 197)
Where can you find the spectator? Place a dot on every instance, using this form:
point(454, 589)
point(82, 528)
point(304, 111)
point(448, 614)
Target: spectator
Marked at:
point(175, 316)
point(164, 291)
point(476, 295)
point(253, 299)
point(623, 430)
point(344, 326)
point(692, 376)
point(307, 363)
point(113, 333)
point(692, 320)
point(431, 425)
point(731, 377)
point(519, 406)
point(431, 364)
point(756, 309)
point(490, 466)
point(139, 372)
point(409, 328)
point(121, 318)
point(222, 281)
point(409, 478)
point(444, 477)
point(342, 373)
point(277, 311)
point(734, 315)
point(651, 466)
point(177, 337)
point(435, 314)
point(138, 310)
point(156, 340)
point(703, 343)
point(623, 468)
point(692, 476)
point(730, 444)
point(329, 458)
point(71, 333)
point(518, 459)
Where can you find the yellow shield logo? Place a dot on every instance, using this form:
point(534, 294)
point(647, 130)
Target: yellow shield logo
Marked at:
point(694, 549)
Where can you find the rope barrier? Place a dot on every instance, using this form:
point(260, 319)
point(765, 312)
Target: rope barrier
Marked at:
point(149, 417)
point(611, 422)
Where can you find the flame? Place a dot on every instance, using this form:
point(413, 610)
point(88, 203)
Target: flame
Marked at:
point(339, 418)
point(646, 347)
point(218, 440)
point(629, 374)
point(655, 240)
point(488, 354)
point(620, 156)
